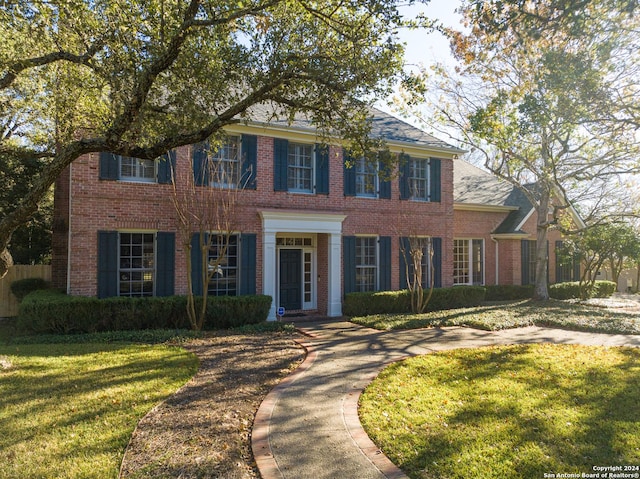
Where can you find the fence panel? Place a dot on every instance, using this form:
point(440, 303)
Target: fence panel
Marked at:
point(8, 302)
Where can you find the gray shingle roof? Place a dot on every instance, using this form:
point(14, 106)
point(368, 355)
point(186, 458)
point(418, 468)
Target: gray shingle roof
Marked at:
point(472, 185)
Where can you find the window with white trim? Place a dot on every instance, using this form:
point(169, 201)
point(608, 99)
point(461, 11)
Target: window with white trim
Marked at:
point(226, 163)
point(136, 169)
point(366, 178)
point(136, 264)
point(419, 179)
point(223, 263)
point(300, 167)
point(468, 261)
point(366, 263)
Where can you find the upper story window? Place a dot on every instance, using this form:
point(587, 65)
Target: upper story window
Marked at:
point(230, 164)
point(135, 169)
point(366, 178)
point(226, 165)
point(420, 179)
point(126, 168)
point(300, 167)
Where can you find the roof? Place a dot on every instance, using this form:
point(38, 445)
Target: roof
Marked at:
point(384, 126)
point(474, 186)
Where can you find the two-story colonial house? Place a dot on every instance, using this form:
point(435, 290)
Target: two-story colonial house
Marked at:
point(308, 229)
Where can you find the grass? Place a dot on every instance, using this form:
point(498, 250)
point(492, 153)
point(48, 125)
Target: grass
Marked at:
point(517, 411)
point(513, 314)
point(68, 410)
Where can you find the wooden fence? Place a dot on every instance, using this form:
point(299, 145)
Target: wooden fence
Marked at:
point(8, 302)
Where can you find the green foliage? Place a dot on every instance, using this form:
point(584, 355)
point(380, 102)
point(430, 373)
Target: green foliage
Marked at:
point(508, 412)
point(54, 312)
point(145, 336)
point(22, 287)
point(574, 290)
point(508, 292)
point(358, 304)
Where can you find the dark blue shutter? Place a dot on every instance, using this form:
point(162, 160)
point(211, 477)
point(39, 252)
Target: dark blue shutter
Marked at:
point(249, 161)
point(436, 244)
point(405, 172)
point(435, 179)
point(384, 181)
point(322, 169)
point(166, 167)
point(109, 166)
point(196, 265)
point(385, 263)
point(248, 263)
point(405, 261)
point(524, 260)
point(349, 174)
point(165, 263)
point(280, 162)
point(576, 268)
point(199, 157)
point(107, 264)
point(349, 263)
point(559, 276)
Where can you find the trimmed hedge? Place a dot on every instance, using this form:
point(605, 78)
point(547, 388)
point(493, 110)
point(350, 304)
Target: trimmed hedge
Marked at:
point(571, 290)
point(382, 302)
point(22, 287)
point(54, 312)
point(508, 292)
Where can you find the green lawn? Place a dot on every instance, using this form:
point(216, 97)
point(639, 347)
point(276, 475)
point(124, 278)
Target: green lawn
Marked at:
point(513, 314)
point(68, 410)
point(516, 412)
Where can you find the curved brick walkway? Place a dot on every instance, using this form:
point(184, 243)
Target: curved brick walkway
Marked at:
point(308, 426)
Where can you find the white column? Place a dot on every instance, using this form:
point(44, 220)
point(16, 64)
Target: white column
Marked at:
point(269, 270)
point(334, 301)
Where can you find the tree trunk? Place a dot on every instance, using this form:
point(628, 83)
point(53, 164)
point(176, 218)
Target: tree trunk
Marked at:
point(541, 291)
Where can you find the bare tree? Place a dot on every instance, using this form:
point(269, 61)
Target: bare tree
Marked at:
point(419, 270)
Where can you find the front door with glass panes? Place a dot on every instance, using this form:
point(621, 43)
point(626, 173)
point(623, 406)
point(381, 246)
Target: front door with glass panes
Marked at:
point(296, 272)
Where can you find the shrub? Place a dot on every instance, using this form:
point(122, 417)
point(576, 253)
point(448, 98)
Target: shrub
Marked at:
point(571, 290)
point(383, 302)
point(604, 289)
point(22, 287)
point(54, 312)
point(508, 292)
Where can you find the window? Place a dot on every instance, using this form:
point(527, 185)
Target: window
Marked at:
point(226, 163)
point(135, 169)
point(419, 179)
point(300, 168)
point(136, 264)
point(528, 262)
point(468, 261)
point(408, 246)
point(223, 262)
point(366, 178)
point(366, 264)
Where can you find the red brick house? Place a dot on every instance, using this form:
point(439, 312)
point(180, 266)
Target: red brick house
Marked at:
point(309, 229)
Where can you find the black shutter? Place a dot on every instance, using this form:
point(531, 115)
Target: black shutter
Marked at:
point(166, 167)
point(524, 260)
point(405, 261)
point(280, 163)
point(322, 169)
point(196, 265)
point(249, 161)
point(435, 179)
point(385, 263)
point(405, 172)
point(384, 181)
point(559, 264)
point(107, 264)
point(248, 264)
point(109, 166)
point(436, 244)
point(349, 174)
point(165, 261)
point(349, 263)
point(199, 157)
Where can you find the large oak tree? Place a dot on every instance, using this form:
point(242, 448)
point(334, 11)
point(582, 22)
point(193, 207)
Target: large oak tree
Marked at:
point(139, 77)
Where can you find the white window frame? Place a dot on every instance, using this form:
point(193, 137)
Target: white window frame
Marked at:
point(295, 187)
point(222, 162)
point(361, 267)
point(223, 269)
point(126, 272)
point(468, 261)
point(137, 166)
point(361, 166)
point(415, 177)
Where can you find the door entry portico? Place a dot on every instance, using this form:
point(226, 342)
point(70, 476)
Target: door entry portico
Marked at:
point(291, 279)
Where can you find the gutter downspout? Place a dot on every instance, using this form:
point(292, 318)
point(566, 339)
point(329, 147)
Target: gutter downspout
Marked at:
point(497, 261)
